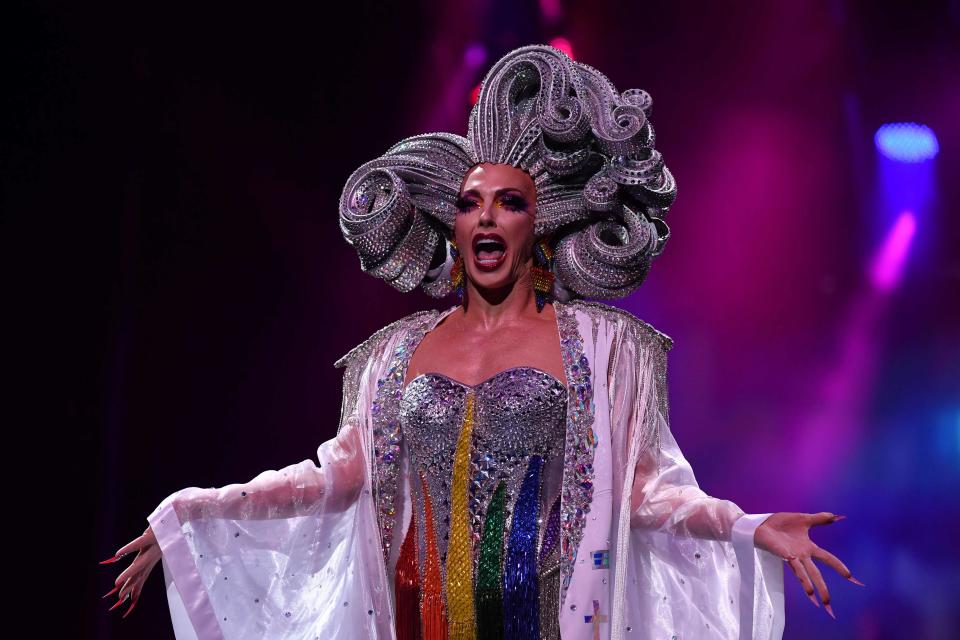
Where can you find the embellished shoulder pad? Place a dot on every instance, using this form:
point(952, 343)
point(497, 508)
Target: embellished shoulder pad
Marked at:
point(612, 314)
point(656, 344)
point(363, 350)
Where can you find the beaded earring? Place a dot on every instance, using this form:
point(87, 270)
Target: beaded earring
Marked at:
point(456, 272)
point(542, 272)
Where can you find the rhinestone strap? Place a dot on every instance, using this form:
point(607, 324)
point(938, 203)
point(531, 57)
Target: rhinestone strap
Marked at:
point(578, 473)
point(387, 435)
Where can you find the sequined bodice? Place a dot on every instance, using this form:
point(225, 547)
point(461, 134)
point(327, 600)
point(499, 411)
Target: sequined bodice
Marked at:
point(515, 439)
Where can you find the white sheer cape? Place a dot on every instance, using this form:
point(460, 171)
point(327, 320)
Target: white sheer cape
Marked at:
point(306, 552)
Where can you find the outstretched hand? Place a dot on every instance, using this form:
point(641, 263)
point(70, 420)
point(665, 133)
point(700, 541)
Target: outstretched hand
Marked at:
point(130, 582)
point(787, 535)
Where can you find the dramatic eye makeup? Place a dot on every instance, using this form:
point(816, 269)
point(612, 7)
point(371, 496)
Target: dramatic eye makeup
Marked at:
point(514, 202)
point(511, 201)
point(463, 204)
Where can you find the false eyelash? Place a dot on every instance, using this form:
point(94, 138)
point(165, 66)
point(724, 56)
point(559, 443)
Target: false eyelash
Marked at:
point(515, 203)
point(512, 202)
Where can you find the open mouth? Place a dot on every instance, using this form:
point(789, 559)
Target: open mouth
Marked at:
point(489, 251)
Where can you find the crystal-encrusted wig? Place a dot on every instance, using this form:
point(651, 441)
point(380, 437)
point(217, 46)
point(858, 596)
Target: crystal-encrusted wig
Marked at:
point(602, 188)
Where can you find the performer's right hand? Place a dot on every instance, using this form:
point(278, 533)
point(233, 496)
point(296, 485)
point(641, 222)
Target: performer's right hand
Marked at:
point(130, 582)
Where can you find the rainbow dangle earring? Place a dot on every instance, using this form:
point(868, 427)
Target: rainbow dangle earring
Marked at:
point(542, 272)
point(456, 272)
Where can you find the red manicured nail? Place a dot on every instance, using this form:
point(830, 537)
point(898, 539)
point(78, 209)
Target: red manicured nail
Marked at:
point(836, 518)
point(830, 611)
point(114, 558)
point(119, 602)
point(129, 610)
point(114, 590)
point(855, 581)
point(813, 600)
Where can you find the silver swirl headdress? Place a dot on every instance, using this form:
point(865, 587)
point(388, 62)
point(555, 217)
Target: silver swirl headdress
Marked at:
point(602, 188)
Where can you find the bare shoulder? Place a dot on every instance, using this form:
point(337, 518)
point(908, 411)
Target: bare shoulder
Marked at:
point(600, 312)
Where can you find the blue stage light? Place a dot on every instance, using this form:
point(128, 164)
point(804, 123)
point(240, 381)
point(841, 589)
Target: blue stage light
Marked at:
point(906, 142)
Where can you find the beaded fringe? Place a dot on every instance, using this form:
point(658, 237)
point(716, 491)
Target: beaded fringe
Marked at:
point(552, 533)
point(489, 571)
point(432, 610)
point(549, 598)
point(521, 602)
point(550, 575)
point(460, 551)
point(407, 583)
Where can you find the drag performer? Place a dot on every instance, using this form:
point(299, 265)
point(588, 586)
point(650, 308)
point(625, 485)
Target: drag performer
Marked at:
point(504, 468)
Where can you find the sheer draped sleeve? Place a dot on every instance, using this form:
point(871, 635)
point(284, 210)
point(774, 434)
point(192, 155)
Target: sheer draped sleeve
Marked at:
point(281, 555)
point(293, 491)
point(694, 570)
point(665, 495)
point(662, 500)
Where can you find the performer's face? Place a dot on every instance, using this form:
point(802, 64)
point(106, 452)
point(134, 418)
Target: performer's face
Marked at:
point(498, 201)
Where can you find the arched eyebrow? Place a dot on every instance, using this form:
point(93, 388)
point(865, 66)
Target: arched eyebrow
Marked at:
point(474, 192)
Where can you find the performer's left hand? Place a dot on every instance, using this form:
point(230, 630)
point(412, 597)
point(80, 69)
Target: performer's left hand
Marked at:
point(787, 535)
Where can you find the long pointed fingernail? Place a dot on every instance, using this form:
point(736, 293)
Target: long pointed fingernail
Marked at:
point(830, 611)
point(836, 518)
point(813, 600)
point(119, 602)
point(114, 558)
point(129, 610)
point(855, 581)
point(114, 590)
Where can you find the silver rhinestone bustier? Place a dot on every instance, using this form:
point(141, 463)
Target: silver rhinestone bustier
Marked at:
point(518, 413)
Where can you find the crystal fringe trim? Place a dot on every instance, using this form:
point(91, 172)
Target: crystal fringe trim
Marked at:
point(408, 587)
point(460, 551)
point(521, 601)
point(432, 609)
point(489, 570)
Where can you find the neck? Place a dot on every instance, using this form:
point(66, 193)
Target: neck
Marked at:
point(495, 307)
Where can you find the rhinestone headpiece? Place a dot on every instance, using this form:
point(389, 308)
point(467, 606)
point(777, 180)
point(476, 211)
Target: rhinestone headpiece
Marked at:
point(602, 188)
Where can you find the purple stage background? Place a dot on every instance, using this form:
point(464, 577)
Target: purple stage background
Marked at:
point(173, 175)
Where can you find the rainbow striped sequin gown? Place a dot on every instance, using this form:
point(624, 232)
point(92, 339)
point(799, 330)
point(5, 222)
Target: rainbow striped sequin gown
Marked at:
point(480, 558)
